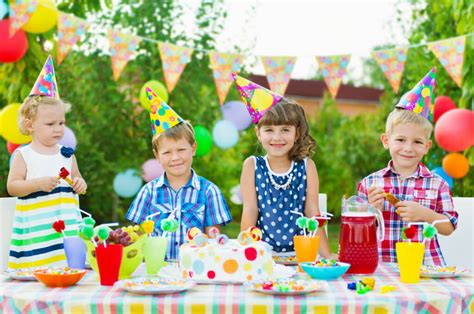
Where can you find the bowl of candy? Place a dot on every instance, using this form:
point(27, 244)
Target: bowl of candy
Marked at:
point(131, 238)
point(59, 277)
point(325, 269)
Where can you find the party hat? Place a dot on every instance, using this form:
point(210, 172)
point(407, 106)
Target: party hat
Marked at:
point(420, 99)
point(257, 98)
point(162, 116)
point(46, 82)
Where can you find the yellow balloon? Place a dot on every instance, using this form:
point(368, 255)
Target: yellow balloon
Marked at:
point(9, 123)
point(0, 123)
point(43, 19)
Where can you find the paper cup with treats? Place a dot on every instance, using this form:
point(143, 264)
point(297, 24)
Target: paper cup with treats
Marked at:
point(154, 248)
point(410, 254)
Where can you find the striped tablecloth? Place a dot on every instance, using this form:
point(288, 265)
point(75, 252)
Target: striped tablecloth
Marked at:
point(429, 296)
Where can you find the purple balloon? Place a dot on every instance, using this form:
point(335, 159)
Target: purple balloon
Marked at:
point(236, 112)
point(69, 139)
point(151, 170)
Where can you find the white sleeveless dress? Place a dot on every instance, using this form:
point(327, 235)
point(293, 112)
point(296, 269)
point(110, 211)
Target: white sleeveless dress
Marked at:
point(34, 242)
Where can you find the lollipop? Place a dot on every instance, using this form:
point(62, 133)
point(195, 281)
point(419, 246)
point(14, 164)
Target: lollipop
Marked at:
point(87, 232)
point(200, 240)
point(64, 174)
point(244, 238)
point(103, 234)
point(59, 226)
point(213, 232)
point(222, 239)
point(302, 222)
point(408, 233)
point(255, 233)
point(148, 226)
point(429, 231)
point(312, 226)
point(89, 221)
point(193, 232)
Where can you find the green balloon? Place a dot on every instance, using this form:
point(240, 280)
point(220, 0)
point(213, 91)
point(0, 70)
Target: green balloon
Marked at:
point(158, 88)
point(203, 140)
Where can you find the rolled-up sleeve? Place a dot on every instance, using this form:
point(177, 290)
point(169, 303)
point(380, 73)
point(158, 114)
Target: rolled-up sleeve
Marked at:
point(445, 205)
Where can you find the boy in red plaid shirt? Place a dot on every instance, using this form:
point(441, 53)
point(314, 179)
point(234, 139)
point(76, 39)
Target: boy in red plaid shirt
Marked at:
point(422, 195)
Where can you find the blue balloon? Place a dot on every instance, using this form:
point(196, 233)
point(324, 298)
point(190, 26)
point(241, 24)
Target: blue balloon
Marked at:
point(127, 183)
point(3, 9)
point(440, 171)
point(225, 134)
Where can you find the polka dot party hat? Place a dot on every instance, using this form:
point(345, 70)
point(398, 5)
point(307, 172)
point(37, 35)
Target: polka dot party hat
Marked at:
point(257, 98)
point(46, 82)
point(162, 116)
point(420, 99)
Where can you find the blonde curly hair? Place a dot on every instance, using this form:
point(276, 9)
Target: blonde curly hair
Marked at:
point(29, 109)
point(288, 112)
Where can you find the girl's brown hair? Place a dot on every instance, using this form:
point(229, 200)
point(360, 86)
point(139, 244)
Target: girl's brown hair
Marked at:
point(288, 112)
point(29, 109)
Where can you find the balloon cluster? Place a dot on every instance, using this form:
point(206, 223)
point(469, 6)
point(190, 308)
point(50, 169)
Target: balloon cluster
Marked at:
point(196, 237)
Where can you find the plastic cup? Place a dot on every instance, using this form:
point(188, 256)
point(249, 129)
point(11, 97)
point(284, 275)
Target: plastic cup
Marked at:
point(154, 250)
point(75, 250)
point(410, 259)
point(306, 249)
point(109, 259)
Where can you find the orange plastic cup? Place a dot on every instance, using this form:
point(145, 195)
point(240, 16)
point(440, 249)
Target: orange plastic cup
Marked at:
point(306, 249)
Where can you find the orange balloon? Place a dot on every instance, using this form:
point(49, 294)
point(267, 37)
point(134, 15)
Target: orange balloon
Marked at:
point(455, 165)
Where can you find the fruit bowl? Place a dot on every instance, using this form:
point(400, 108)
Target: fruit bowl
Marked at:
point(59, 278)
point(131, 258)
point(325, 272)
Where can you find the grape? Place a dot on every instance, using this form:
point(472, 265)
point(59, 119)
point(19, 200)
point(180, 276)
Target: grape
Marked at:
point(118, 231)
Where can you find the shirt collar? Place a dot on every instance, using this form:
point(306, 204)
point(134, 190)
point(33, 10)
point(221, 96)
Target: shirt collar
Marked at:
point(193, 181)
point(422, 171)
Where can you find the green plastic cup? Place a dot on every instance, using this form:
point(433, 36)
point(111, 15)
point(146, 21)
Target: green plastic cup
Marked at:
point(154, 251)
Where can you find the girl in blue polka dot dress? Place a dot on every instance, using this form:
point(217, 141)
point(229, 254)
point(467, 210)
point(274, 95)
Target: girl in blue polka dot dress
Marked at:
point(283, 181)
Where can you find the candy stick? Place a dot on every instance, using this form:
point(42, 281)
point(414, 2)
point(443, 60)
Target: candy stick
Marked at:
point(312, 227)
point(430, 231)
point(63, 174)
point(88, 233)
point(103, 234)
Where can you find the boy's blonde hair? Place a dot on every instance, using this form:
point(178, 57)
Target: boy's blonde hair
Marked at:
point(399, 116)
point(29, 109)
point(288, 112)
point(182, 130)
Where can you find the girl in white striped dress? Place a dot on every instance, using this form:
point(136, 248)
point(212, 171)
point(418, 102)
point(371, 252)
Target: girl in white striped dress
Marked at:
point(42, 196)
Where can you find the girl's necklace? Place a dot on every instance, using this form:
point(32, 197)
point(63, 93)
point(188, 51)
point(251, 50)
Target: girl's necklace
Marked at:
point(283, 186)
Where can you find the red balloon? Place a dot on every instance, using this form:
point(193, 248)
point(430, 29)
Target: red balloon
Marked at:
point(454, 131)
point(441, 105)
point(11, 147)
point(11, 49)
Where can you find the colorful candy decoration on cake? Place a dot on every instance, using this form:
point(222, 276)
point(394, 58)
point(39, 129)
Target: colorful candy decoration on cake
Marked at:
point(194, 231)
point(213, 232)
point(245, 238)
point(59, 227)
point(255, 233)
point(196, 237)
point(222, 239)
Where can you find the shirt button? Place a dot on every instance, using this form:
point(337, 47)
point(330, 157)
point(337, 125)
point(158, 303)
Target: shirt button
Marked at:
point(176, 243)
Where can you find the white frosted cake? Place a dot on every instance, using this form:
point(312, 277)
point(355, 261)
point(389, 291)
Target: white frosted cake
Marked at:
point(229, 262)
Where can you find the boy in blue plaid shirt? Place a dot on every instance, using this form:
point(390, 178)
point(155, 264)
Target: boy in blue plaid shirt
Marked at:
point(198, 202)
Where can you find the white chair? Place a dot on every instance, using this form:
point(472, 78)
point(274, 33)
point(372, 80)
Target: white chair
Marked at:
point(458, 248)
point(7, 215)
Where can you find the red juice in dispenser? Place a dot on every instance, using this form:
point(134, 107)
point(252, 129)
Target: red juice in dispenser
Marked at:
point(358, 238)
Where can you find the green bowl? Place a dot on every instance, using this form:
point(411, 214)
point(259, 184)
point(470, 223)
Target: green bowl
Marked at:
point(132, 257)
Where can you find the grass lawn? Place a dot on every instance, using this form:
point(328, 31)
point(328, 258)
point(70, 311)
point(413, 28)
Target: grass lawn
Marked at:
point(232, 231)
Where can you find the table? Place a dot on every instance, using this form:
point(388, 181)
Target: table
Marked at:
point(454, 295)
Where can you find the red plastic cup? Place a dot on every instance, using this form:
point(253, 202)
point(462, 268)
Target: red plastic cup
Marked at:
point(109, 260)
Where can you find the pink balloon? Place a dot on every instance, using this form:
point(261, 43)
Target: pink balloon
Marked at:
point(151, 169)
point(442, 104)
point(454, 131)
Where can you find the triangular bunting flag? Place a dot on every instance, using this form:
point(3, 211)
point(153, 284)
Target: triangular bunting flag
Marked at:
point(333, 69)
point(70, 29)
point(223, 65)
point(20, 13)
point(46, 84)
point(122, 47)
point(174, 59)
point(278, 70)
point(450, 52)
point(420, 99)
point(392, 62)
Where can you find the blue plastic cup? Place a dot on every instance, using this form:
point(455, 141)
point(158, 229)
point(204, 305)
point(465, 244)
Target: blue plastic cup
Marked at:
point(75, 252)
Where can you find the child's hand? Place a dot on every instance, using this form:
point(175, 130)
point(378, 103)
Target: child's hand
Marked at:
point(47, 184)
point(79, 185)
point(411, 211)
point(376, 197)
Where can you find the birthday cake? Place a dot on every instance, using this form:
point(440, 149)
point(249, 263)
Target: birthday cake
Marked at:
point(223, 260)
